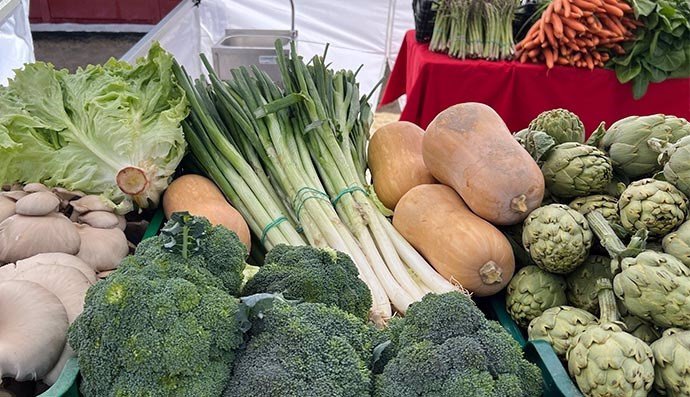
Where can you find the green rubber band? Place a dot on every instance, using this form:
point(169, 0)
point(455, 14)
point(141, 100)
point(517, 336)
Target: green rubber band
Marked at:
point(346, 191)
point(299, 200)
point(271, 225)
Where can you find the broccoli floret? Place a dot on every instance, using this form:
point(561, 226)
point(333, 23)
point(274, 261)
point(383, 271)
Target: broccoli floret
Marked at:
point(141, 334)
point(389, 335)
point(308, 350)
point(313, 275)
point(438, 317)
point(214, 248)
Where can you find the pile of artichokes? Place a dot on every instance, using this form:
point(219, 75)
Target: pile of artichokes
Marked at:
point(608, 281)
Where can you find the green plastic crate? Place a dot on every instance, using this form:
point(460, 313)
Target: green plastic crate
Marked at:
point(557, 382)
point(67, 383)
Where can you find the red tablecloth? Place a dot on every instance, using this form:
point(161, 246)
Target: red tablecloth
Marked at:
point(519, 92)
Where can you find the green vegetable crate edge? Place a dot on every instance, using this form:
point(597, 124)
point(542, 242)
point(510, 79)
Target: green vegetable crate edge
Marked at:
point(557, 383)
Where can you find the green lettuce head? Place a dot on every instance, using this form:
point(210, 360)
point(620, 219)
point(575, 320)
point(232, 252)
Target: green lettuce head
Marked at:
point(112, 130)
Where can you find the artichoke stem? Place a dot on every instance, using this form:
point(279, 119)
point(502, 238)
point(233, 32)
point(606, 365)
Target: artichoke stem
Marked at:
point(491, 273)
point(608, 238)
point(519, 204)
point(607, 301)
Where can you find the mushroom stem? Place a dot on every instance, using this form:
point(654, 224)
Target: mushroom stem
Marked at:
point(132, 180)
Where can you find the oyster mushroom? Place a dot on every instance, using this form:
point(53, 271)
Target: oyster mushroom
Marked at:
point(37, 204)
point(100, 219)
point(7, 208)
point(51, 258)
point(102, 249)
point(91, 202)
point(25, 236)
point(66, 195)
point(14, 195)
point(32, 330)
point(70, 286)
point(35, 187)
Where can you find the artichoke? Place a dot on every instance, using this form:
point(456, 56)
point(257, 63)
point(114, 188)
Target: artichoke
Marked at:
point(608, 362)
point(656, 288)
point(627, 142)
point(581, 288)
point(557, 238)
point(653, 205)
point(573, 169)
point(637, 327)
point(672, 368)
point(678, 243)
point(676, 160)
point(531, 291)
point(561, 124)
point(559, 326)
point(605, 204)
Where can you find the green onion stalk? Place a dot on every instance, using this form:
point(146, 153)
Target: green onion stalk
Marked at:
point(328, 113)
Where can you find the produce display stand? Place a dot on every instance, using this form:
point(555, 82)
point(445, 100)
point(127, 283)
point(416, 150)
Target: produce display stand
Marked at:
point(67, 384)
point(520, 92)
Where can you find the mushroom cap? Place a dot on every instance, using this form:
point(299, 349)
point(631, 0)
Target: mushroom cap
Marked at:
point(25, 236)
point(35, 187)
point(37, 204)
point(100, 219)
point(7, 208)
point(32, 331)
point(102, 249)
point(91, 202)
point(14, 195)
point(67, 283)
point(53, 258)
point(121, 222)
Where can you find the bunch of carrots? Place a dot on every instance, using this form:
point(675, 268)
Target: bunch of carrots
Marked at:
point(581, 33)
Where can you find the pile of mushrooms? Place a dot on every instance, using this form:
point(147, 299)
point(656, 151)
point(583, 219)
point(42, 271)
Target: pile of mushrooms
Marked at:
point(54, 244)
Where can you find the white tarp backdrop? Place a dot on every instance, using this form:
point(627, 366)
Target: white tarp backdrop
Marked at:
point(360, 32)
point(16, 45)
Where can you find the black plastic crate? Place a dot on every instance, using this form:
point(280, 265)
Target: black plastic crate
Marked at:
point(424, 16)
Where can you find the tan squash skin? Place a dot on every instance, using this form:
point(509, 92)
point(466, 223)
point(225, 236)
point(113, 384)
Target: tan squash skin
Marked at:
point(461, 246)
point(199, 196)
point(395, 161)
point(469, 148)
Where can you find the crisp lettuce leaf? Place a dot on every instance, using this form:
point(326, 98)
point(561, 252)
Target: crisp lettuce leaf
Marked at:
point(80, 130)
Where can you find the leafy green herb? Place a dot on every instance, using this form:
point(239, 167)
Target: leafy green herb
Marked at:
point(661, 49)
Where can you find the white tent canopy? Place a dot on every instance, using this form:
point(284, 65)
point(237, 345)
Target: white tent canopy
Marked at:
point(360, 32)
point(16, 45)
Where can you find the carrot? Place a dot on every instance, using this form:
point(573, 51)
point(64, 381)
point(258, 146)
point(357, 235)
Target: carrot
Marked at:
point(577, 26)
point(530, 45)
point(557, 26)
point(547, 13)
point(587, 13)
point(588, 43)
point(577, 56)
point(575, 11)
point(596, 55)
point(585, 5)
point(618, 23)
point(542, 35)
point(610, 25)
point(562, 61)
point(605, 57)
point(548, 30)
point(624, 6)
point(523, 57)
point(618, 49)
point(569, 32)
point(613, 10)
point(595, 41)
point(558, 6)
point(548, 55)
point(572, 45)
point(566, 8)
point(590, 62)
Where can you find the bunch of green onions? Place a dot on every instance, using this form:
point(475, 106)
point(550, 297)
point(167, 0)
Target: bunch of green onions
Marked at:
point(293, 162)
point(474, 29)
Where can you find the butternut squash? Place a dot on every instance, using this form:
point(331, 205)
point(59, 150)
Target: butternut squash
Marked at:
point(395, 161)
point(469, 148)
point(461, 246)
point(199, 196)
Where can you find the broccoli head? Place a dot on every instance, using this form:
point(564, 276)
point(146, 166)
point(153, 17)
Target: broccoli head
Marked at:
point(313, 275)
point(446, 347)
point(307, 350)
point(438, 317)
point(142, 334)
point(193, 240)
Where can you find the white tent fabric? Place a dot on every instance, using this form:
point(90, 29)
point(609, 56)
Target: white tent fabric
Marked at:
point(360, 32)
point(16, 45)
